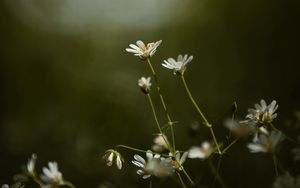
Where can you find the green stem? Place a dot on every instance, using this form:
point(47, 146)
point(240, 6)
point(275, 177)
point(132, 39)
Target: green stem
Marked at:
point(181, 180)
point(200, 113)
point(157, 122)
point(69, 184)
point(140, 150)
point(170, 122)
point(275, 164)
point(150, 184)
point(185, 173)
point(214, 171)
point(287, 137)
point(218, 169)
point(231, 144)
point(36, 180)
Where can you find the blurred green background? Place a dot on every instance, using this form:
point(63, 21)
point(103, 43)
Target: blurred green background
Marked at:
point(69, 90)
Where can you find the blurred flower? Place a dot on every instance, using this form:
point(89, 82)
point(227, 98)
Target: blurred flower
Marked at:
point(160, 143)
point(155, 165)
point(52, 175)
point(31, 164)
point(144, 84)
point(286, 181)
point(265, 143)
point(262, 113)
point(179, 158)
point(202, 152)
point(142, 50)
point(16, 185)
point(111, 156)
point(178, 66)
point(260, 130)
point(296, 152)
point(239, 128)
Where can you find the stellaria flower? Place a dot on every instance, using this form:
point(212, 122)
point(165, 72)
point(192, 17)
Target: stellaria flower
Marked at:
point(202, 152)
point(160, 143)
point(178, 159)
point(153, 165)
point(262, 113)
point(52, 175)
point(145, 84)
point(31, 164)
point(142, 50)
point(286, 181)
point(266, 143)
point(178, 66)
point(112, 156)
point(239, 128)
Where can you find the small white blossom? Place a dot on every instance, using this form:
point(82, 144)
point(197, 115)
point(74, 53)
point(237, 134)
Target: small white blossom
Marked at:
point(178, 66)
point(154, 165)
point(160, 143)
point(262, 113)
point(145, 84)
point(142, 50)
point(286, 181)
point(52, 174)
point(265, 143)
point(111, 156)
point(31, 164)
point(202, 152)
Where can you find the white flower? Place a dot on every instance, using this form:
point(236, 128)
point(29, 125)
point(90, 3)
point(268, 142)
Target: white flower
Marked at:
point(265, 143)
point(111, 156)
point(179, 159)
point(239, 128)
point(262, 113)
point(202, 152)
point(52, 174)
point(154, 165)
point(31, 164)
point(160, 143)
point(142, 50)
point(178, 66)
point(286, 181)
point(145, 84)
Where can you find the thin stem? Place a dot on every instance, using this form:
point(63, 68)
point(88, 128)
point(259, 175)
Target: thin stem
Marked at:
point(170, 122)
point(185, 173)
point(150, 184)
point(36, 180)
point(140, 150)
point(157, 122)
point(287, 137)
point(218, 169)
point(69, 184)
point(181, 180)
point(275, 164)
point(213, 169)
point(200, 113)
point(231, 144)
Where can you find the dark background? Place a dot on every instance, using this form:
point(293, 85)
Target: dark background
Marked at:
point(69, 90)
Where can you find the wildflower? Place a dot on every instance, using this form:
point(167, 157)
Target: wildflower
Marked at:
point(52, 174)
point(202, 152)
point(145, 84)
point(111, 156)
point(178, 66)
point(239, 128)
point(142, 50)
point(265, 143)
point(262, 113)
point(178, 159)
point(155, 165)
point(286, 181)
point(31, 164)
point(160, 143)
